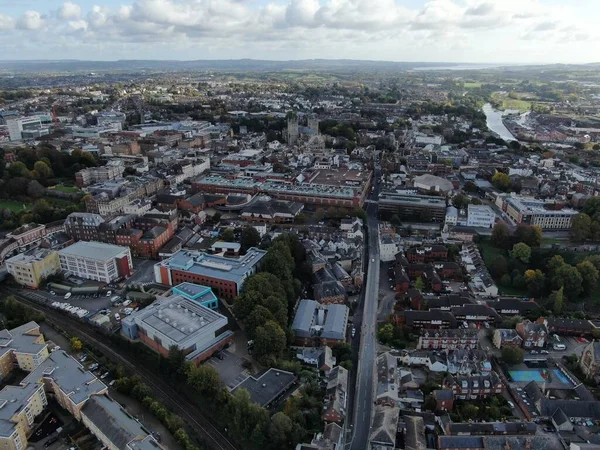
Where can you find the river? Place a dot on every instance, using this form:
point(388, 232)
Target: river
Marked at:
point(495, 124)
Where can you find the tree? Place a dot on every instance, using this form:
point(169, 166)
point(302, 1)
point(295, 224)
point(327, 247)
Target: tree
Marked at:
point(250, 238)
point(501, 235)
point(558, 301)
point(228, 235)
point(430, 404)
point(512, 355)
point(269, 342)
point(506, 280)
point(18, 169)
point(42, 169)
point(501, 181)
point(385, 333)
point(589, 275)
point(591, 207)
point(521, 251)
point(35, 189)
point(76, 344)
point(419, 284)
point(535, 281)
point(568, 277)
point(581, 227)
point(529, 234)
point(469, 411)
point(476, 201)
point(204, 379)
point(555, 263)
point(43, 211)
point(280, 430)
point(460, 201)
point(499, 266)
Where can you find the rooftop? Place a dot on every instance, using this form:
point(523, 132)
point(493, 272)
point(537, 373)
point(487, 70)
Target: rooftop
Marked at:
point(74, 381)
point(93, 250)
point(177, 318)
point(12, 400)
point(266, 388)
point(31, 256)
point(231, 269)
point(195, 292)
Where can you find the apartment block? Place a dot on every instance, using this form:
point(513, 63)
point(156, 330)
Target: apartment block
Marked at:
point(31, 268)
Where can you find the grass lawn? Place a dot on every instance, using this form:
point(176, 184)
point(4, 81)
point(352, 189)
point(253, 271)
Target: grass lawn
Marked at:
point(472, 84)
point(14, 206)
point(63, 188)
point(489, 252)
point(511, 103)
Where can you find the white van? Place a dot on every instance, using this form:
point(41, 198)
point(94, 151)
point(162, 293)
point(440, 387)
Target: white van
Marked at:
point(559, 347)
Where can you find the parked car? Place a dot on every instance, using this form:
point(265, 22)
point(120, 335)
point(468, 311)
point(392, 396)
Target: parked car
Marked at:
point(67, 295)
point(117, 316)
point(104, 375)
point(127, 303)
point(112, 382)
point(52, 293)
point(544, 352)
point(108, 293)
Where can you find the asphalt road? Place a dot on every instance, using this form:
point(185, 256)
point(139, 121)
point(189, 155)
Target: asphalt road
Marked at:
point(363, 400)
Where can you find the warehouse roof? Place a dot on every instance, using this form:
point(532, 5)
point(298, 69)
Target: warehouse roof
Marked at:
point(93, 250)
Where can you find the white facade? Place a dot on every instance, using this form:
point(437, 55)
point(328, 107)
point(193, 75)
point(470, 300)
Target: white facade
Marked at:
point(389, 246)
point(94, 260)
point(481, 216)
point(451, 216)
point(16, 126)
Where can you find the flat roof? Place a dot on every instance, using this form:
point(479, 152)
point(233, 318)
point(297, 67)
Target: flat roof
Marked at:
point(266, 388)
point(177, 318)
point(395, 197)
point(31, 256)
point(195, 292)
point(12, 400)
point(201, 263)
point(98, 251)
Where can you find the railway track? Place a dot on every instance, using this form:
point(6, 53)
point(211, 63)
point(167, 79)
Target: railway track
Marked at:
point(182, 406)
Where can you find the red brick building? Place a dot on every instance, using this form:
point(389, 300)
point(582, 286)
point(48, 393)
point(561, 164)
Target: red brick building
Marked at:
point(427, 253)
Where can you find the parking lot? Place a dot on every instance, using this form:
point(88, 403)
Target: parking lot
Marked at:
point(230, 368)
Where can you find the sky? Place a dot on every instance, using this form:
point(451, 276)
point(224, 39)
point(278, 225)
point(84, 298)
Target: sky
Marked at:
point(475, 31)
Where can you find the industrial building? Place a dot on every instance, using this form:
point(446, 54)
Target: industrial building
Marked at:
point(96, 261)
point(532, 211)
point(177, 321)
point(225, 276)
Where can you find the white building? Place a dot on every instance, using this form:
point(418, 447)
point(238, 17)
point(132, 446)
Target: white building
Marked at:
point(16, 126)
point(480, 216)
point(389, 246)
point(451, 216)
point(532, 211)
point(96, 261)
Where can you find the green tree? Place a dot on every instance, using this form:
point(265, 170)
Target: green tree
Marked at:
point(499, 267)
point(568, 277)
point(269, 342)
point(589, 275)
point(419, 284)
point(42, 169)
point(558, 300)
point(521, 251)
point(228, 235)
point(555, 263)
point(591, 207)
point(18, 169)
point(501, 235)
point(581, 227)
point(506, 280)
point(280, 430)
point(204, 379)
point(476, 201)
point(250, 238)
point(385, 334)
point(460, 201)
point(512, 355)
point(76, 344)
point(469, 411)
point(342, 351)
point(501, 181)
point(529, 234)
point(535, 280)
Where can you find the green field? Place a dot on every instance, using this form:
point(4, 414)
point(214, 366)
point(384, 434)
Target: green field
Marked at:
point(489, 252)
point(472, 84)
point(511, 103)
point(13, 205)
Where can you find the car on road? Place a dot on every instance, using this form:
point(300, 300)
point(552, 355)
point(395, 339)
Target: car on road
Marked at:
point(67, 295)
point(117, 316)
point(559, 347)
point(534, 352)
point(353, 331)
point(511, 404)
point(544, 352)
point(52, 293)
point(373, 260)
point(108, 293)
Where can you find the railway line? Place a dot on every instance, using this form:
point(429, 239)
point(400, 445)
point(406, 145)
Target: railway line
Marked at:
point(182, 406)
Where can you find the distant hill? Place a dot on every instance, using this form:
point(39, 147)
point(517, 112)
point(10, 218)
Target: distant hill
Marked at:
point(220, 65)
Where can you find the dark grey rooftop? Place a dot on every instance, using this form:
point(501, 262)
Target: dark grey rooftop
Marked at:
point(266, 388)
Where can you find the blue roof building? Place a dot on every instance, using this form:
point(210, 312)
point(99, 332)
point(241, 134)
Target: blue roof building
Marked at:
point(202, 295)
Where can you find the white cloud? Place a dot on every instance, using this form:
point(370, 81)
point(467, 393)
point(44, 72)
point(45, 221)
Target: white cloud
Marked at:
point(30, 20)
point(69, 11)
point(438, 29)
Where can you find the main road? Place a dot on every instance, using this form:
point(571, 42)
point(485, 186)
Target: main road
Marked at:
point(363, 397)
